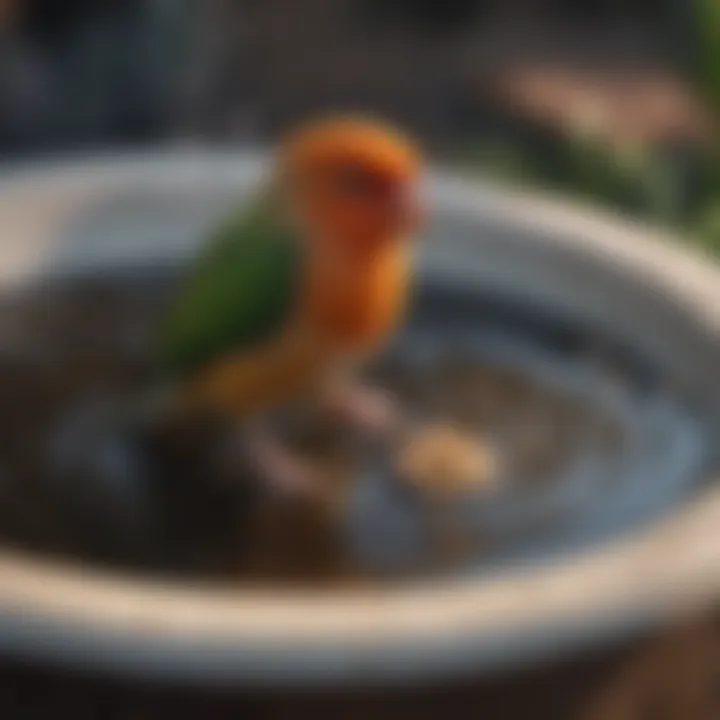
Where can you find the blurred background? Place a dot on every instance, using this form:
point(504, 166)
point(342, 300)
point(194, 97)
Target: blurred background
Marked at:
point(615, 102)
point(611, 99)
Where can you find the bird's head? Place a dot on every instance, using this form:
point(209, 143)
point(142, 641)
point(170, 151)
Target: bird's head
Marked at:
point(353, 183)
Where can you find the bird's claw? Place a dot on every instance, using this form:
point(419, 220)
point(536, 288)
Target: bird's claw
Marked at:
point(280, 470)
point(370, 412)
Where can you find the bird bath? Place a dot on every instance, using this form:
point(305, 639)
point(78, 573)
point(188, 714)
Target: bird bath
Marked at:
point(618, 536)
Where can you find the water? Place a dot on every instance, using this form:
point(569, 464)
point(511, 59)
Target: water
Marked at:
point(595, 442)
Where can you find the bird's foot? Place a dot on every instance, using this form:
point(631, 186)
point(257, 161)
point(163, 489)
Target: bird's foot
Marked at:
point(373, 413)
point(278, 469)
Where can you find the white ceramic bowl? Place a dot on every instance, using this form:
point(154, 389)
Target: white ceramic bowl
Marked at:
point(105, 212)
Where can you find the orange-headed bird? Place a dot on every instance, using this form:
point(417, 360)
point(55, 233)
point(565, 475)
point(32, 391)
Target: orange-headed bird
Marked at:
point(307, 281)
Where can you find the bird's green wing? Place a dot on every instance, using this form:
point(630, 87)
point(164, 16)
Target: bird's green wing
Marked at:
point(240, 292)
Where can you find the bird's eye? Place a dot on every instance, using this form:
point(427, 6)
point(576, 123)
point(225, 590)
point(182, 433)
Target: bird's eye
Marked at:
point(359, 182)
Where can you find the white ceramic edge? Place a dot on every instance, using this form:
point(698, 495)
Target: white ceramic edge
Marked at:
point(78, 614)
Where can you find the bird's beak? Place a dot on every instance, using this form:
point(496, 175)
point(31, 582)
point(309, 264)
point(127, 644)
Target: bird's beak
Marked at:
point(409, 206)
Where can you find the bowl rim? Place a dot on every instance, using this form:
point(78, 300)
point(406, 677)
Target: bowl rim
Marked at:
point(100, 619)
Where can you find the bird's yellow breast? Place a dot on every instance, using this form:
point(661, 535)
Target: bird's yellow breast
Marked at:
point(357, 304)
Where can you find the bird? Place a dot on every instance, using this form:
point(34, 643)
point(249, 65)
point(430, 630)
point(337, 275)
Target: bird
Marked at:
point(300, 287)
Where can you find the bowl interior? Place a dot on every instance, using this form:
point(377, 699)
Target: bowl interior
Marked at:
point(590, 307)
